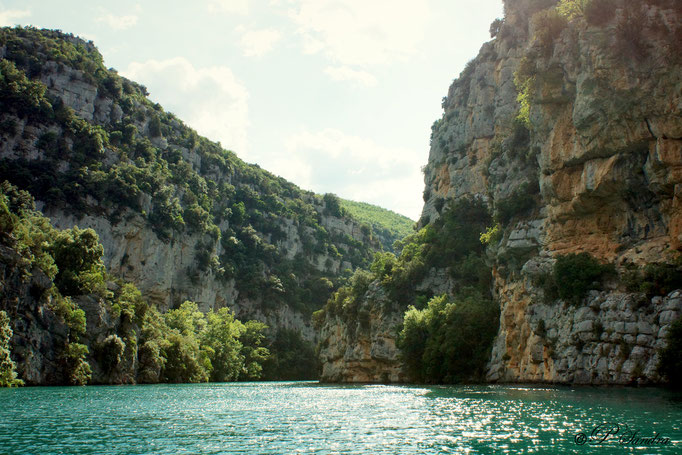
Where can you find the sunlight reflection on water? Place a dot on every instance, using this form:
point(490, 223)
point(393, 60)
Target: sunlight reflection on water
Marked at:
point(305, 417)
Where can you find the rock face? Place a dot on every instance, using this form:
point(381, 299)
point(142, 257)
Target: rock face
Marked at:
point(360, 347)
point(41, 335)
point(613, 339)
point(599, 127)
point(572, 133)
point(364, 350)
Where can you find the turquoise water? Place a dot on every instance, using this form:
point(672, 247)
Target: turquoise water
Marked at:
point(306, 417)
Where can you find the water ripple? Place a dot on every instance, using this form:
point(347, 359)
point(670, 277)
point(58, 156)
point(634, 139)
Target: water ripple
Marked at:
point(309, 418)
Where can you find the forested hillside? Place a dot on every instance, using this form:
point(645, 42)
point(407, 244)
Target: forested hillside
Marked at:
point(178, 216)
point(387, 225)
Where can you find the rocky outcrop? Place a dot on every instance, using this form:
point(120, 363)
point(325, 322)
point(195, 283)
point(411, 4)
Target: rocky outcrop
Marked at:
point(40, 335)
point(362, 348)
point(614, 338)
point(599, 126)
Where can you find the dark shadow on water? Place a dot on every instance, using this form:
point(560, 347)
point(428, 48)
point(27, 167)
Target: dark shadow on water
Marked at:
point(606, 396)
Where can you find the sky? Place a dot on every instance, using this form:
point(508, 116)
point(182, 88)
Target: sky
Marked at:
point(337, 96)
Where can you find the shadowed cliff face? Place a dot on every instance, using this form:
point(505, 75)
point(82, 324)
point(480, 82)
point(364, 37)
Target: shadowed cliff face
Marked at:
point(571, 130)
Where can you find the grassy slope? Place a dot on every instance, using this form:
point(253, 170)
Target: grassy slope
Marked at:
point(386, 224)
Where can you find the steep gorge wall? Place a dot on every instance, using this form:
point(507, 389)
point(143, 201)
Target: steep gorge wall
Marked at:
point(595, 167)
point(112, 187)
point(606, 135)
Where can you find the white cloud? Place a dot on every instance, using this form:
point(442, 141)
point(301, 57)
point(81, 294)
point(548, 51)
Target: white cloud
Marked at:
point(211, 99)
point(360, 32)
point(255, 43)
point(9, 17)
point(354, 168)
point(345, 73)
point(118, 22)
point(228, 6)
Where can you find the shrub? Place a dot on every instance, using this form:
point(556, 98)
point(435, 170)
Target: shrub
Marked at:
point(472, 271)
point(654, 279)
point(155, 126)
point(630, 40)
point(492, 235)
point(110, 352)
point(76, 368)
point(660, 279)
point(449, 341)
point(73, 317)
point(520, 202)
point(670, 364)
point(571, 9)
point(78, 256)
point(518, 141)
point(151, 362)
point(438, 204)
point(185, 361)
point(130, 305)
point(332, 205)
point(548, 27)
point(575, 274)
point(8, 375)
point(251, 337)
point(600, 12)
point(524, 80)
point(495, 27)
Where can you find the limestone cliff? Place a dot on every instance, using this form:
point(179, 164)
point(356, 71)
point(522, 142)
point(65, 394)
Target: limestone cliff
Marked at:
point(362, 349)
point(177, 215)
point(569, 127)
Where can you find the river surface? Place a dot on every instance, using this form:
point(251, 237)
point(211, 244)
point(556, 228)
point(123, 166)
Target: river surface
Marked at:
point(307, 417)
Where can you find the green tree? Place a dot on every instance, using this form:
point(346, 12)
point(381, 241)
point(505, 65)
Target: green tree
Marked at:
point(332, 204)
point(185, 361)
point(572, 9)
point(449, 341)
point(75, 364)
point(78, 256)
point(110, 352)
point(291, 358)
point(222, 337)
point(254, 354)
point(187, 319)
point(130, 304)
point(8, 374)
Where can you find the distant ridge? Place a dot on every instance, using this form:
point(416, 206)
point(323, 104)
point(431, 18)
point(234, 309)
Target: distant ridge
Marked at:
point(387, 225)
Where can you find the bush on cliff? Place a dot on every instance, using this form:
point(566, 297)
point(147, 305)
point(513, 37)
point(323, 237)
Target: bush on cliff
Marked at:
point(449, 341)
point(8, 375)
point(670, 365)
point(573, 275)
point(656, 278)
